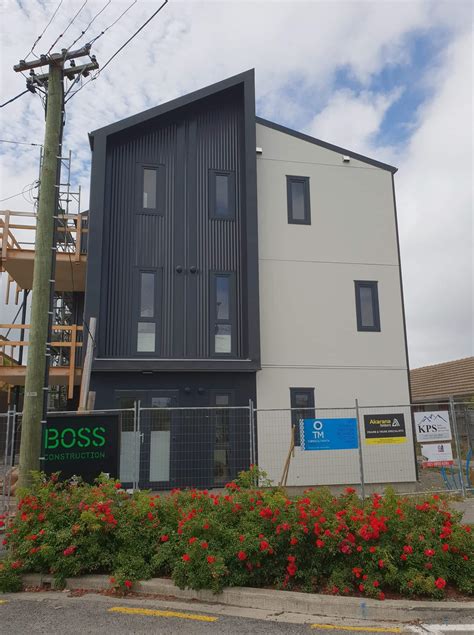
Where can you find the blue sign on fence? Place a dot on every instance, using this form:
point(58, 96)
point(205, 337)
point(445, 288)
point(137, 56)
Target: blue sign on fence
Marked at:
point(328, 434)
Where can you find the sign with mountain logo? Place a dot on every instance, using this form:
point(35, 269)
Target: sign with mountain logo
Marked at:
point(433, 426)
point(385, 428)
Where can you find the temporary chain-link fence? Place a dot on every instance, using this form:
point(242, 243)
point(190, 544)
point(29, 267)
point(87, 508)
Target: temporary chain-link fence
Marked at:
point(368, 447)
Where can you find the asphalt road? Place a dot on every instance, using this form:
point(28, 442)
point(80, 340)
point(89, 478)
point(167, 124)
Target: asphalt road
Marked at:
point(55, 613)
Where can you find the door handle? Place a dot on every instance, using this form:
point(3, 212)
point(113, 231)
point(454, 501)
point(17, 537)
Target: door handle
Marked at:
point(193, 269)
point(179, 269)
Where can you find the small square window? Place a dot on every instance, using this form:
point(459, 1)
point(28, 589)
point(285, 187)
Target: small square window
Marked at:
point(299, 209)
point(221, 194)
point(302, 407)
point(367, 305)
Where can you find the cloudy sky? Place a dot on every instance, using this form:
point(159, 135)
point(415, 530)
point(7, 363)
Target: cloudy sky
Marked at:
point(390, 79)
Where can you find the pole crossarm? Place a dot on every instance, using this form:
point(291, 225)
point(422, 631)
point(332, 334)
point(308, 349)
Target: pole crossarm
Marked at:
point(54, 58)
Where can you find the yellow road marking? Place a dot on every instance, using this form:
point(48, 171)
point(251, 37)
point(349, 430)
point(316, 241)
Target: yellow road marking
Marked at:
point(185, 616)
point(365, 629)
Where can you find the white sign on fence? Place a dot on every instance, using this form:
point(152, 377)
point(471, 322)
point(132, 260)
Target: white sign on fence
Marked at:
point(433, 426)
point(437, 455)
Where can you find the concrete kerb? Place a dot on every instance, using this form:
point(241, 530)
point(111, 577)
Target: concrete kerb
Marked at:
point(401, 611)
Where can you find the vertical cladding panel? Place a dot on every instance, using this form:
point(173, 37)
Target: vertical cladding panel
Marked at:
point(136, 240)
point(219, 146)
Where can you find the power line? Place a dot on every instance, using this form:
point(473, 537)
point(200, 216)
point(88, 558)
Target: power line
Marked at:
point(132, 37)
point(93, 77)
point(68, 26)
point(13, 98)
point(113, 23)
point(35, 185)
point(44, 30)
point(21, 143)
point(88, 26)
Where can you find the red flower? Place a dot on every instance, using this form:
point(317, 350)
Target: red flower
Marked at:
point(192, 540)
point(164, 538)
point(349, 490)
point(118, 485)
point(381, 564)
point(16, 565)
point(372, 549)
point(150, 515)
point(319, 544)
point(69, 550)
point(264, 545)
point(376, 583)
point(408, 549)
point(381, 595)
point(241, 538)
point(205, 526)
point(211, 559)
point(294, 541)
point(291, 568)
point(428, 565)
point(440, 583)
point(445, 547)
point(242, 555)
point(186, 557)
point(361, 588)
point(112, 580)
point(128, 584)
point(204, 544)
point(429, 553)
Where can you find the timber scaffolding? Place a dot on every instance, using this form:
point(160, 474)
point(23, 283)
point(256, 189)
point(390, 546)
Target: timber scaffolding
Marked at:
point(17, 254)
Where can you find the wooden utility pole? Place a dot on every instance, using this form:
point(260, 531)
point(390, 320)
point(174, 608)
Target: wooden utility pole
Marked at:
point(36, 382)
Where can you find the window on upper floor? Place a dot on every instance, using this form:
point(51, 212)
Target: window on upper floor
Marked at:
point(222, 313)
point(299, 209)
point(302, 407)
point(367, 305)
point(151, 185)
point(147, 321)
point(221, 194)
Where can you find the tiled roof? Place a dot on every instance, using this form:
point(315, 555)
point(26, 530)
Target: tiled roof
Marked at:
point(454, 378)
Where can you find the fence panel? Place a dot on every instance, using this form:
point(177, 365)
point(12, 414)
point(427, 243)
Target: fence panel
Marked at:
point(10, 427)
point(192, 447)
point(306, 467)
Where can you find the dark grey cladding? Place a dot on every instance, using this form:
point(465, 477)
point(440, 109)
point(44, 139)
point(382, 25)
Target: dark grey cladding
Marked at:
point(213, 129)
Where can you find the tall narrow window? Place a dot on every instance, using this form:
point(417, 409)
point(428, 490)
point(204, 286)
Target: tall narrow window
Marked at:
point(149, 188)
point(147, 313)
point(302, 407)
point(222, 313)
point(299, 210)
point(222, 401)
point(221, 194)
point(367, 305)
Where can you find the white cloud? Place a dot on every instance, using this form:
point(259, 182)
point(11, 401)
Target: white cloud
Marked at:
point(352, 120)
point(297, 49)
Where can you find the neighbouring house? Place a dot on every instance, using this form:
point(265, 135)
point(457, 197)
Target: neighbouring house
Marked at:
point(437, 383)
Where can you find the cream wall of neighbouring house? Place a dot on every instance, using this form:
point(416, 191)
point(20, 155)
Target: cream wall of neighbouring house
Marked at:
point(309, 334)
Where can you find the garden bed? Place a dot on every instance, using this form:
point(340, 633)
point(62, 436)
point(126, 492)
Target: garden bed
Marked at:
point(388, 546)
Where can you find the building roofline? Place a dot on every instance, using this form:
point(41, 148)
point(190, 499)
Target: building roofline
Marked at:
point(451, 361)
point(325, 144)
point(179, 102)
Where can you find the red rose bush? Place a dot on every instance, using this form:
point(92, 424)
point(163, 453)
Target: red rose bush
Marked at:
point(246, 536)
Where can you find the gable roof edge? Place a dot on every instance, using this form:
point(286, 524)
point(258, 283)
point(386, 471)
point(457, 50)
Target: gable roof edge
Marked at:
point(174, 104)
point(325, 144)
